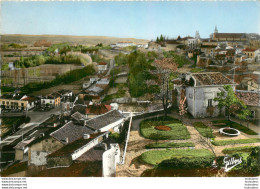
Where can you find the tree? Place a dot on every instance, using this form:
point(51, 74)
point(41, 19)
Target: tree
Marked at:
point(227, 99)
point(161, 38)
point(164, 68)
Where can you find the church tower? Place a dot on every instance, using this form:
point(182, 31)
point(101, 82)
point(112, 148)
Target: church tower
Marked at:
point(216, 29)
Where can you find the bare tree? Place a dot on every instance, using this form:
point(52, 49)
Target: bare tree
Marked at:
point(164, 68)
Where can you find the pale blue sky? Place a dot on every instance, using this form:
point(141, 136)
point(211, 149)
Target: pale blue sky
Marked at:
point(129, 19)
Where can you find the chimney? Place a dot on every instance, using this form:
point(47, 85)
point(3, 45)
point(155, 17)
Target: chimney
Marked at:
point(86, 136)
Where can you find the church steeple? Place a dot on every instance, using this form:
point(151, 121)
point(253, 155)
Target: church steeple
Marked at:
point(216, 29)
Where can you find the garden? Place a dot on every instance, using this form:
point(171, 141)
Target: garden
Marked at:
point(164, 128)
point(203, 129)
point(155, 157)
point(227, 123)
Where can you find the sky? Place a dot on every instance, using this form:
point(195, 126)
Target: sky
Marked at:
point(144, 20)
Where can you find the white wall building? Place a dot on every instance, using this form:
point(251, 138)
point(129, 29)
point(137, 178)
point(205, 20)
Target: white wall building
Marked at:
point(202, 89)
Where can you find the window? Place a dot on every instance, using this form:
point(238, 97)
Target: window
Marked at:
point(22, 104)
point(252, 115)
point(209, 102)
point(3, 102)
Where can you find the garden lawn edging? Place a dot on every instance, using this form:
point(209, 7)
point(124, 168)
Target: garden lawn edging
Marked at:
point(238, 141)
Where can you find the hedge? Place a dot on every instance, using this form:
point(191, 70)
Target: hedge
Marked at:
point(203, 129)
point(187, 162)
point(239, 149)
point(155, 157)
point(169, 145)
point(238, 141)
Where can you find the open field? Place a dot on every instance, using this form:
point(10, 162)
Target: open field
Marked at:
point(73, 40)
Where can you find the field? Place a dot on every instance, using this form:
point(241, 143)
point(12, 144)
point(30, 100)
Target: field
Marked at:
point(80, 40)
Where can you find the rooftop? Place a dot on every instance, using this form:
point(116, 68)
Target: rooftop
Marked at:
point(211, 78)
point(70, 132)
point(77, 116)
point(229, 35)
point(104, 119)
point(249, 50)
point(72, 147)
point(102, 63)
point(250, 98)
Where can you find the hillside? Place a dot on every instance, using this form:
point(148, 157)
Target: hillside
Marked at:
point(80, 40)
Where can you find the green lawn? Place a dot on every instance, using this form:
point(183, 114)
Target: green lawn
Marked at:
point(226, 123)
point(238, 141)
point(178, 130)
point(155, 157)
point(169, 145)
point(239, 149)
point(203, 129)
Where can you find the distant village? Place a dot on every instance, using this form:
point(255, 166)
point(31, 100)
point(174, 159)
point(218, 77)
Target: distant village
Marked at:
point(71, 110)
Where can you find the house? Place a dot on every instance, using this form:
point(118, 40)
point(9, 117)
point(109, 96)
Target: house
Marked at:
point(203, 61)
point(67, 154)
point(18, 102)
point(251, 53)
point(102, 67)
point(252, 100)
point(96, 109)
point(209, 50)
point(250, 84)
point(54, 139)
point(229, 36)
point(125, 44)
point(65, 94)
point(53, 100)
point(192, 43)
point(200, 89)
point(113, 119)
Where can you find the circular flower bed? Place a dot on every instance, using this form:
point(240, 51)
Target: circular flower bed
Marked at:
point(163, 128)
point(229, 131)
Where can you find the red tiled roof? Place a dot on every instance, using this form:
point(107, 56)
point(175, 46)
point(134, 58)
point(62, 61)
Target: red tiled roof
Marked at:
point(249, 50)
point(250, 98)
point(211, 78)
point(98, 109)
point(229, 35)
point(102, 63)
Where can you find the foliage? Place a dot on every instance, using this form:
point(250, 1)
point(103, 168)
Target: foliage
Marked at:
point(187, 162)
point(157, 156)
point(4, 67)
point(62, 47)
point(6, 89)
point(17, 46)
point(119, 94)
point(139, 73)
point(169, 145)
point(195, 70)
point(178, 59)
point(178, 130)
point(238, 141)
point(14, 122)
point(239, 149)
point(97, 58)
point(226, 123)
point(227, 98)
point(253, 162)
point(203, 129)
point(66, 78)
point(121, 59)
point(69, 59)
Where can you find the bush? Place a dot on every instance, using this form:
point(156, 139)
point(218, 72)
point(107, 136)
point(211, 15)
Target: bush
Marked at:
point(155, 157)
point(187, 162)
point(203, 129)
point(247, 149)
point(66, 78)
point(178, 130)
point(238, 141)
point(226, 123)
point(169, 145)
